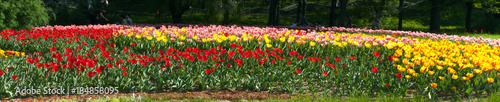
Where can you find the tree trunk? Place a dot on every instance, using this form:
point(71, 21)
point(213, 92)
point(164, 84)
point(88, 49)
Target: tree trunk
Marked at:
point(304, 7)
point(343, 5)
point(277, 21)
point(379, 9)
point(333, 7)
point(273, 13)
point(226, 12)
point(203, 4)
point(468, 16)
point(225, 21)
point(376, 20)
point(400, 23)
point(435, 15)
point(299, 12)
point(177, 17)
point(177, 8)
point(270, 20)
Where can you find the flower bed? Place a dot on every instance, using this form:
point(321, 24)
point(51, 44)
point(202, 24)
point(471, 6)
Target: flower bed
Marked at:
point(245, 58)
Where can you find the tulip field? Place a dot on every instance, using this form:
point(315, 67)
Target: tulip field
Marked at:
point(328, 61)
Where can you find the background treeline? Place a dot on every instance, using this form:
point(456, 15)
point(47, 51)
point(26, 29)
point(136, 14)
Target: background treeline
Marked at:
point(421, 15)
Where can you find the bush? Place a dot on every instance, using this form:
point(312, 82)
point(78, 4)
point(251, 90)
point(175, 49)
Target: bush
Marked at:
point(22, 14)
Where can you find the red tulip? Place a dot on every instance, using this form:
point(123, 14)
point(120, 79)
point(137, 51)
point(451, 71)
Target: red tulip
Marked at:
point(353, 57)
point(29, 60)
point(336, 72)
point(132, 44)
point(125, 49)
point(98, 70)
point(298, 71)
point(1, 72)
point(38, 65)
point(14, 77)
point(398, 75)
point(374, 70)
point(325, 73)
point(391, 57)
point(232, 45)
point(123, 68)
point(299, 57)
point(125, 73)
point(333, 66)
point(387, 84)
point(376, 54)
point(338, 59)
point(69, 50)
point(53, 49)
point(288, 63)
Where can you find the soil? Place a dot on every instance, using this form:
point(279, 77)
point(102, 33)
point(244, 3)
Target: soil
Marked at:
point(170, 95)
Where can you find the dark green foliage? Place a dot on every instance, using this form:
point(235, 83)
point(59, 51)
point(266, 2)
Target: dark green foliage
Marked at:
point(22, 14)
point(70, 13)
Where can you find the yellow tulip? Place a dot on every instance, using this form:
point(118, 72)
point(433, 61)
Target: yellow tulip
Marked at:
point(401, 69)
point(407, 76)
point(431, 72)
point(312, 43)
point(478, 71)
point(434, 85)
point(490, 80)
point(470, 75)
point(454, 77)
point(423, 69)
point(415, 74)
point(439, 67)
point(465, 78)
point(367, 45)
point(451, 71)
point(282, 39)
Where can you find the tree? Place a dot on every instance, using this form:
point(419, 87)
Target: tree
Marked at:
point(377, 10)
point(400, 22)
point(273, 13)
point(489, 7)
point(178, 7)
point(333, 8)
point(435, 15)
point(343, 6)
point(301, 11)
point(225, 4)
point(468, 16)
point(22, 14)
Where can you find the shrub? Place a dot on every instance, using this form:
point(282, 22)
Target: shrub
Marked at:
point(22, 14)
